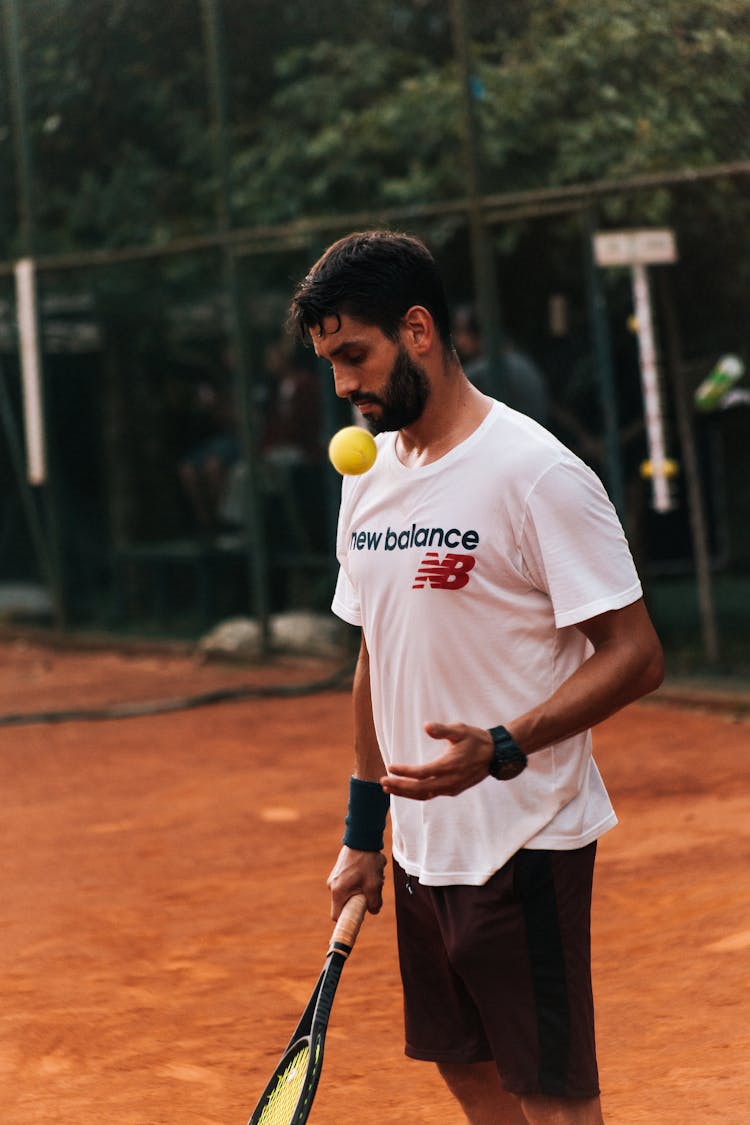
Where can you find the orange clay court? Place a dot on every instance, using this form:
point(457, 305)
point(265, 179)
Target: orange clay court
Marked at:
point(164, 911)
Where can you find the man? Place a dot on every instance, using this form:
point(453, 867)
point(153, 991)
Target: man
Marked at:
point(501, 617)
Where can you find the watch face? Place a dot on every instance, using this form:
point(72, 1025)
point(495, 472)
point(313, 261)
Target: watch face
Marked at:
point(507, 770)
point(507, 764)
point(508, 759)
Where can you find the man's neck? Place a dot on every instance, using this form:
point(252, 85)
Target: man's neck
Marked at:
point(453, 412)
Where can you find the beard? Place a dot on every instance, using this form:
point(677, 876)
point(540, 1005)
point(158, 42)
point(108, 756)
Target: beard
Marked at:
point(402, 399)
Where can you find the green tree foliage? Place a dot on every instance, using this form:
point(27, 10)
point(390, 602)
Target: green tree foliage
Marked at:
point(116, 102)
point(614, 89)
point(349, 106)
point(572, 92)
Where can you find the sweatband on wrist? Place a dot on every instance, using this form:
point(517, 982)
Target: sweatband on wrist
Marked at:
point(365, 818)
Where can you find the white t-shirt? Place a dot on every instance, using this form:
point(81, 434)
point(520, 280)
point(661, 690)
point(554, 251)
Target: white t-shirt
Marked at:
point(467, 576)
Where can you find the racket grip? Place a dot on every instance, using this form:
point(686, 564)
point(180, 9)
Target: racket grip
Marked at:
point(349, 921)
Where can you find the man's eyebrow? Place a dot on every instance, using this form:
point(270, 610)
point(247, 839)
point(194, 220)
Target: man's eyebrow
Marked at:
point(345, 345)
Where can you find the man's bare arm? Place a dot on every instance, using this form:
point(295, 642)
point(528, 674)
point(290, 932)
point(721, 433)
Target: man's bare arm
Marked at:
point(368, 761)
point(359, 871)
point(627, 662)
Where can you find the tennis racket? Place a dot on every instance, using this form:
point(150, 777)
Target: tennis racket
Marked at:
point(288, 1097)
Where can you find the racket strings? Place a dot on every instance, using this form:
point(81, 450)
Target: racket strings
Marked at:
point(284, 1098)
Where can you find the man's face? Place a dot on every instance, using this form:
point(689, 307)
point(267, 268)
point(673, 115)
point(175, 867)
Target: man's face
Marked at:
point(375, 374)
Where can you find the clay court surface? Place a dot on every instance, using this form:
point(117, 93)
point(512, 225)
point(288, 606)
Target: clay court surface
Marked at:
point(164, 910)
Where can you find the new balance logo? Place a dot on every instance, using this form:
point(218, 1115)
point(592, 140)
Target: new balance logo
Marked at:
point(448, 573)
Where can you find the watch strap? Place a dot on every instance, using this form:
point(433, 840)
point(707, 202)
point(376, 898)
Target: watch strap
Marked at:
point(508, 759)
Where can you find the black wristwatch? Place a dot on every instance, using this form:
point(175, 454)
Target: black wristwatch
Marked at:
point(508, 759)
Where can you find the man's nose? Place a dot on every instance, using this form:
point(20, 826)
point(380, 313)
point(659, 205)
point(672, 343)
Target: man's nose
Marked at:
point(345, 384)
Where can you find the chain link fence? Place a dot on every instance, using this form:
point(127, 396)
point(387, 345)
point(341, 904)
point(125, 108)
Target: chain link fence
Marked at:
point(174, 173)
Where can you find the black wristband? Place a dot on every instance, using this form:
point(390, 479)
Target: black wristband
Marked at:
point(365, 818)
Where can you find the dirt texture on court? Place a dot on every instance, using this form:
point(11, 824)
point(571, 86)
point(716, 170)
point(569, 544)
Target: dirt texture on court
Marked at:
point(164, 911)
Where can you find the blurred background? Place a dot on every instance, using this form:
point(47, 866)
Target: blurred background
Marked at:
point(172, 170)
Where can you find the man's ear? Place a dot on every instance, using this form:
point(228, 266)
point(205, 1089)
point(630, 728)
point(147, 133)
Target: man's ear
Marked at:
point(419, 329)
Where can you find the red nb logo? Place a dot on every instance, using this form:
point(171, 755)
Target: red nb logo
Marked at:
point(449, 573)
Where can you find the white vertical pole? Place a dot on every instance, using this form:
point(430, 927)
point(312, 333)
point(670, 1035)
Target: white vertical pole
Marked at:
point(31, 380)
point(661, 493)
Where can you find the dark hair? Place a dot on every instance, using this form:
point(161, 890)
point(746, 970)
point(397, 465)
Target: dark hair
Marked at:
point(376, 277)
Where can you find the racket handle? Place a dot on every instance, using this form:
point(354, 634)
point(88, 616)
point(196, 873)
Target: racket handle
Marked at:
point(349, 921)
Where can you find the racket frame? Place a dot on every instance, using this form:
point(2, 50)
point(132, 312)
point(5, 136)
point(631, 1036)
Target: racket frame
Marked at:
point(313, 1023)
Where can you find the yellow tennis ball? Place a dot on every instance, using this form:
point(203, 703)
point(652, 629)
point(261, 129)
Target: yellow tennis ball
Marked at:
point(352, 450)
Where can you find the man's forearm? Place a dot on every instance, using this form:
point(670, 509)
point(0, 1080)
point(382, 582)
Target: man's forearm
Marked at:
point(360, 865)
point(626, 664)
point(368, 761)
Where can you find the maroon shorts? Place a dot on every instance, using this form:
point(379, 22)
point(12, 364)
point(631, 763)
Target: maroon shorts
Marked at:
point(502, 972)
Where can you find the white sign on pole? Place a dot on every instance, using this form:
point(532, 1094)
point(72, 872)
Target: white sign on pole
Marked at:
point(31, 378)
point(635, 247)
point(661, 491)
point(638, 249)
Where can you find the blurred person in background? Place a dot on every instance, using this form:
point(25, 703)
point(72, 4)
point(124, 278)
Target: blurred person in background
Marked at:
point(523, 385)
point(205, 470)
point(291, 432)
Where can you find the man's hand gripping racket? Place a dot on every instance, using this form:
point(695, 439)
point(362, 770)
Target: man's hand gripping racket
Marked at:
point(288, 1097)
